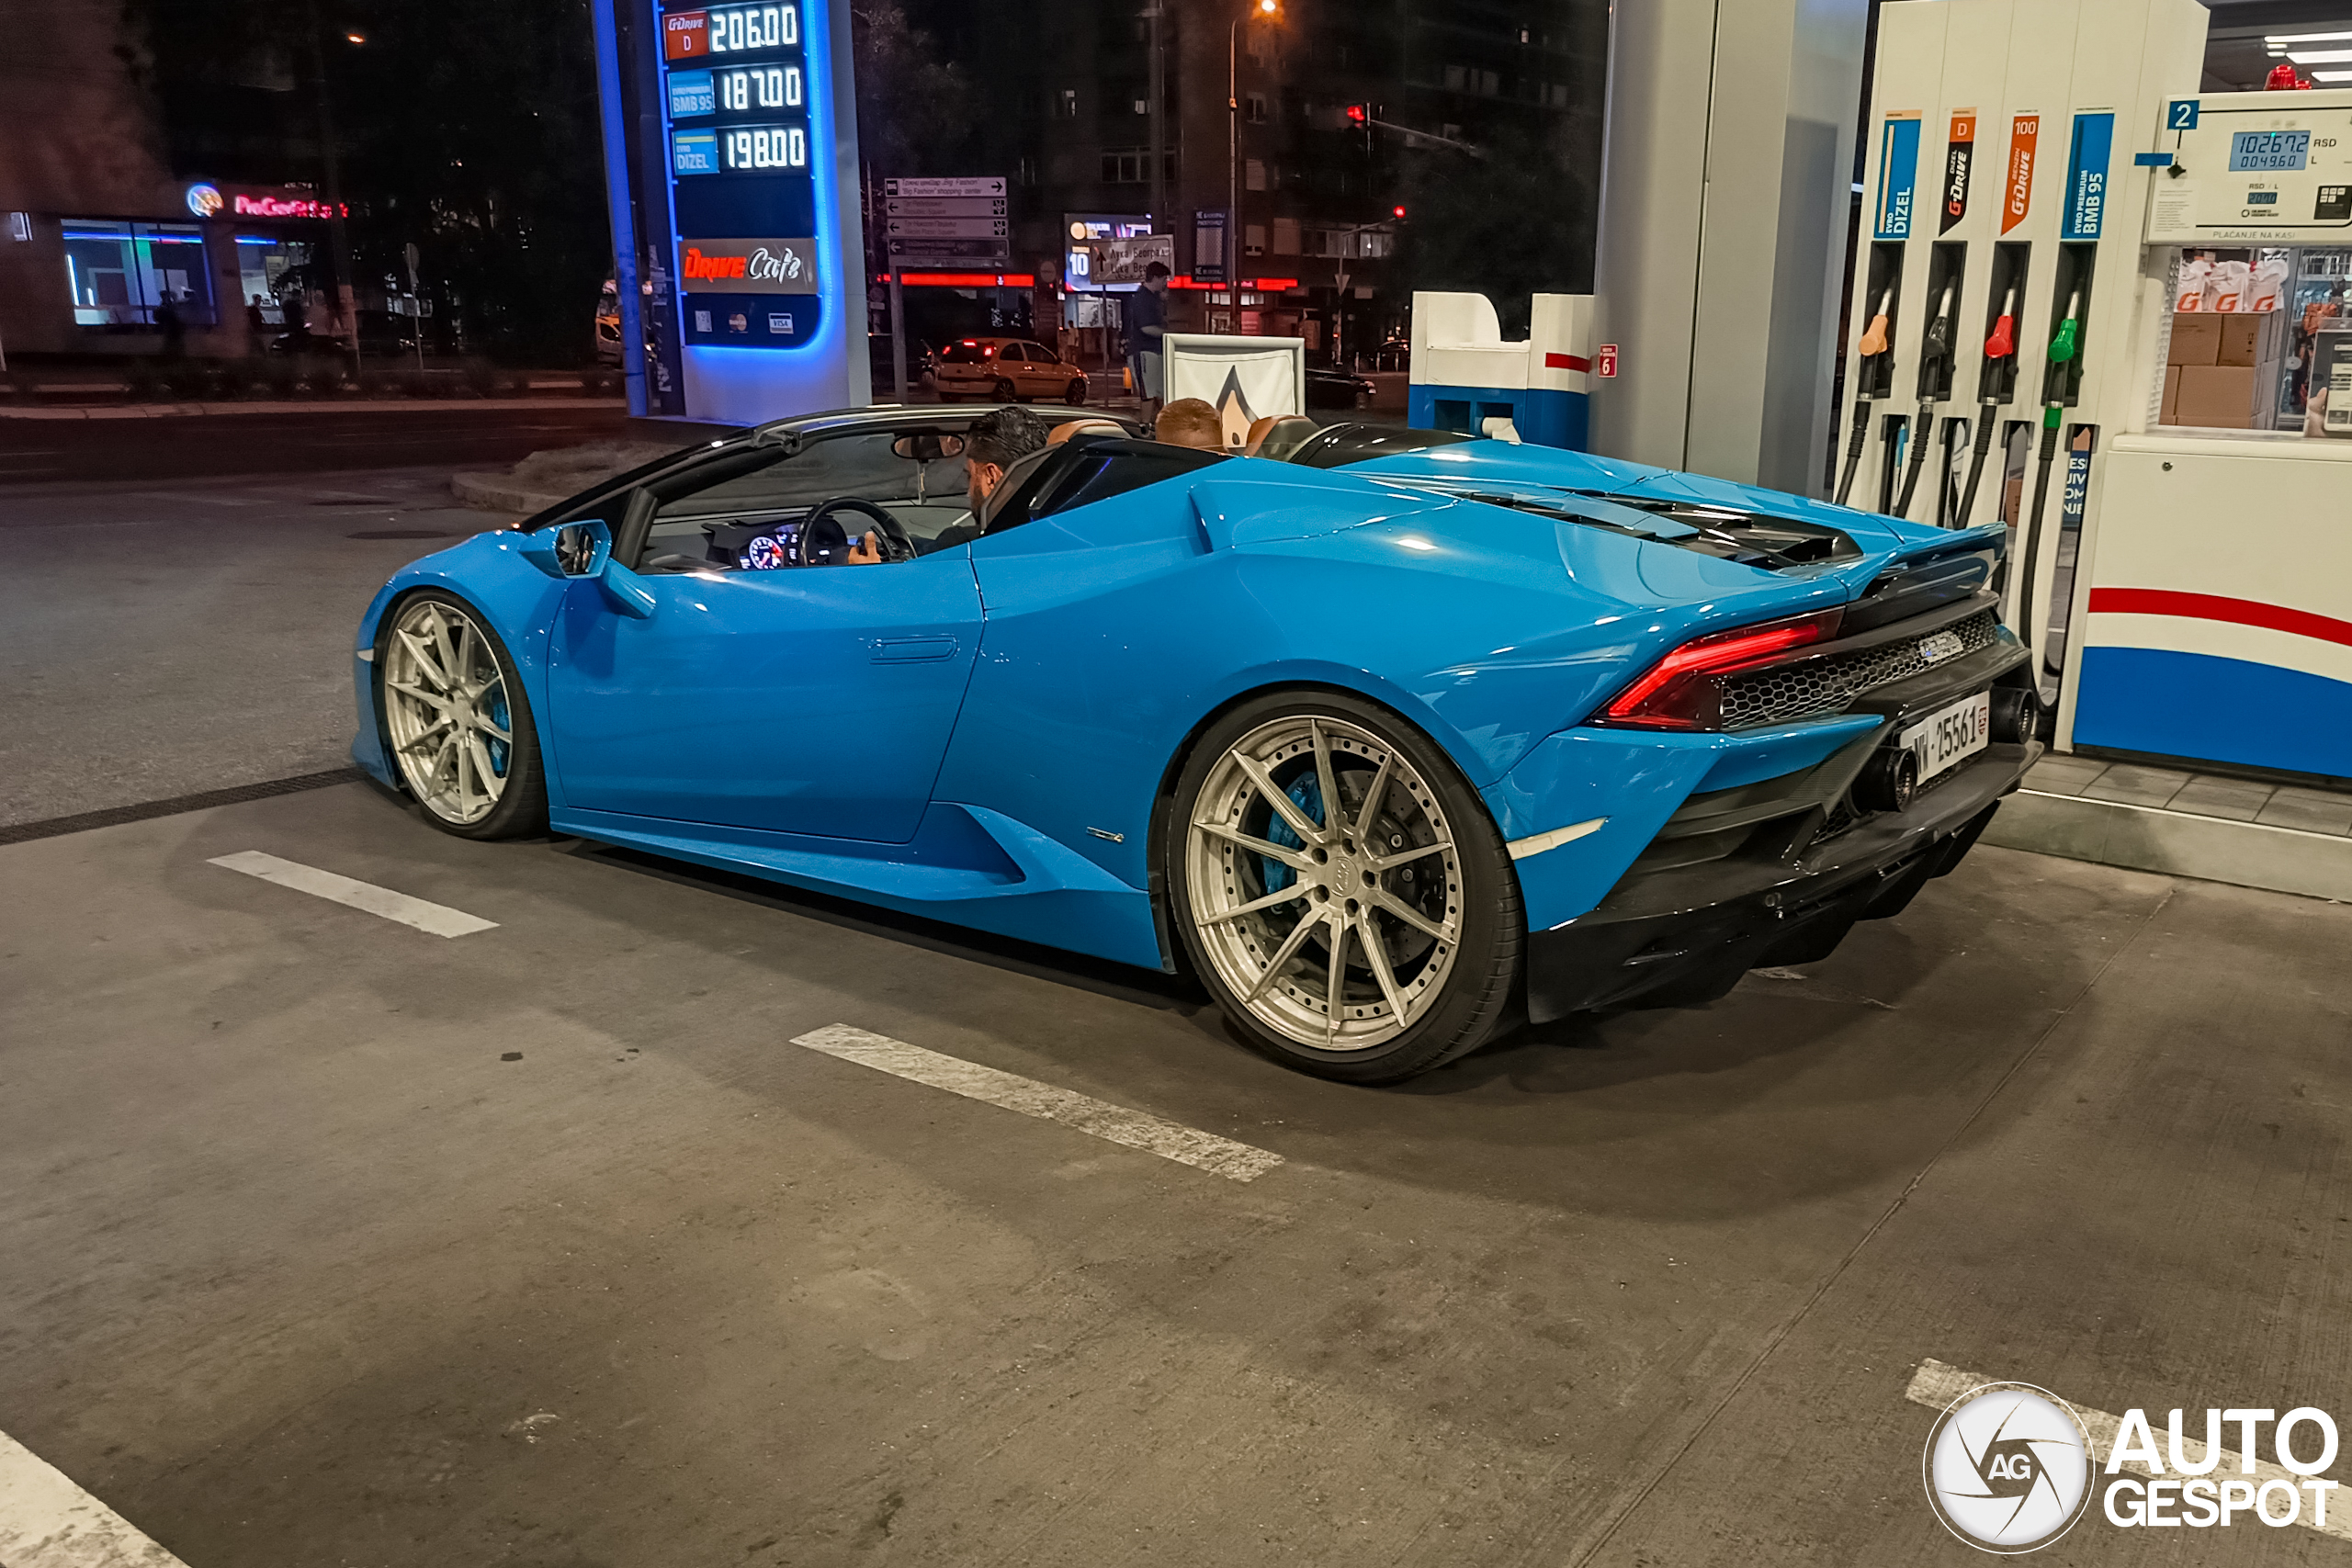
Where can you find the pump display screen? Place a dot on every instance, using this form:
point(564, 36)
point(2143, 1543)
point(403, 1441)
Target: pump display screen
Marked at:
point(737, 83)
point(2268, 151)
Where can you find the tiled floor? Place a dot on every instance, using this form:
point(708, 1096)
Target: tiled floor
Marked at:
point(2200, 795)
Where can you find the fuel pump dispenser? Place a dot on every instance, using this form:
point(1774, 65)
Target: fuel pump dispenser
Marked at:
point(2178, 266)
point(2023, 96)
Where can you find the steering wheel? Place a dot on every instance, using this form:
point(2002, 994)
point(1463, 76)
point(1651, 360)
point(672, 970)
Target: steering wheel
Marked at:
point(898, 544)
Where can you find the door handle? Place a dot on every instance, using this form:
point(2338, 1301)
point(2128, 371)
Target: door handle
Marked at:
point(913, 649)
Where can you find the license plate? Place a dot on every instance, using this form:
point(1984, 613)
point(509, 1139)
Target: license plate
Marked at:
point(1951, 735)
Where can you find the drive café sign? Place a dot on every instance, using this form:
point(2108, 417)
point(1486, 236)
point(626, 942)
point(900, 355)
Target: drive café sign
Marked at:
point(206, 199)
point(748, 266)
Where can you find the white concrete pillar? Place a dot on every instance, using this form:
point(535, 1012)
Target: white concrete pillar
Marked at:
point(1726, 194)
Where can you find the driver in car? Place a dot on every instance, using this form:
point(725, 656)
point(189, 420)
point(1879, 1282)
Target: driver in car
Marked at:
point(996, 441)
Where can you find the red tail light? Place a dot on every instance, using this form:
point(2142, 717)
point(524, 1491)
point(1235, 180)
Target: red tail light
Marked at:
point(1681, 690)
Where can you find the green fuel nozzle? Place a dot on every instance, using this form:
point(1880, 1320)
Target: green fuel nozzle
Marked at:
point(2068, 338)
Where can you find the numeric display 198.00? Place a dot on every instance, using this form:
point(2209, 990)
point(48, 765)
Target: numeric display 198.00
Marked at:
point(763, 149)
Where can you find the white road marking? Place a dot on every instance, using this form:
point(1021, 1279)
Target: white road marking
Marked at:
point(1536, 844)
point(1116, 1123)
point(1935, 1385)
point(45, 1521)
point(439, 918)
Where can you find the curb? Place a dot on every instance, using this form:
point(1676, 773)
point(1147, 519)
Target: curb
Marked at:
point(2175, 844)
point(498, 492)
point(351, 405)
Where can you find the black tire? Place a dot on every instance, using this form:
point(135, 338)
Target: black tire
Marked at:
point(521, 810)
point(1005, 394)
point(1450, 1004)
point(1076, 394)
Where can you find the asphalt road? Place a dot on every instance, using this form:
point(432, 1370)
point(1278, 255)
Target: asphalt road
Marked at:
point(327, 1238)
point(160, 640)
point(324, 440)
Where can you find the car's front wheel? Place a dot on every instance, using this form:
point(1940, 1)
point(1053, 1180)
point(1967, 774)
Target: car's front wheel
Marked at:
point(1075, 394)
point(457, 721)
point(1340, 889)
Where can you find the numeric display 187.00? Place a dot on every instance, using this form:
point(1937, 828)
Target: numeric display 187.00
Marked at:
point(759, 86)
point(2269, 152)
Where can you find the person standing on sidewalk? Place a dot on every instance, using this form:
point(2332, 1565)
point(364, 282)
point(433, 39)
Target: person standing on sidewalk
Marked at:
point(1146, 316)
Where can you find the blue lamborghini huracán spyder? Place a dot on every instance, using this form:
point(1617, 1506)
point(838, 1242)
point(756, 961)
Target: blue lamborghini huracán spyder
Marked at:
point(1391, 738)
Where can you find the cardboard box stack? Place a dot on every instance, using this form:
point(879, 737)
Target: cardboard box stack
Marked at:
point(2211, 372)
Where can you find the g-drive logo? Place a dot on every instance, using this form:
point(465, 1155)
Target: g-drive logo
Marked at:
point(2010, 1468)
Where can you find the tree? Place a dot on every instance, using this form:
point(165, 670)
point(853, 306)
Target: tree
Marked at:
point(914, 110)
point(1513, 223)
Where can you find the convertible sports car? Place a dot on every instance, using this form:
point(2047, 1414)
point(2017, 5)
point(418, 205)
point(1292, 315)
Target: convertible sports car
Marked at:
point(1392, 739)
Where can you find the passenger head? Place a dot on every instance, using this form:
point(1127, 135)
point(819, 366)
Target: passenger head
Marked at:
point(1071, 427)
point(1190, 421)
point(995, 442)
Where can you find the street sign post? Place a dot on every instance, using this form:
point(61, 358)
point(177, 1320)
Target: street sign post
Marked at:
point(957, 223)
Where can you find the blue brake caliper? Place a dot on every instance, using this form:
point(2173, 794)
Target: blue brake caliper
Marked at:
point(1307, 792)
point(497, 748)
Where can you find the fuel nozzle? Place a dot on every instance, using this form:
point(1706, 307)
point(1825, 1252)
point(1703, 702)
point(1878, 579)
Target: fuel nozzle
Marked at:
point(2004, 341)
point(1935, 355)
point(2068, 337)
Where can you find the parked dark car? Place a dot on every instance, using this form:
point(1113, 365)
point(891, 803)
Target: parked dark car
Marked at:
point(1328, 388)
point(918, 363)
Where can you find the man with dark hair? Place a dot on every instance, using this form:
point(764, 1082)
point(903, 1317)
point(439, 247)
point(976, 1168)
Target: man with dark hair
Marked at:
point(1146, 317)
point(996, 441)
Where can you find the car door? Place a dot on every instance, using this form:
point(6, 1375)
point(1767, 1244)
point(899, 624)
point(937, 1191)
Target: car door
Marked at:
point(1042, 376)
point(812, 699)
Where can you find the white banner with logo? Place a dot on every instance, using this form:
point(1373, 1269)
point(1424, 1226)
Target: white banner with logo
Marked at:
point(1244, 378)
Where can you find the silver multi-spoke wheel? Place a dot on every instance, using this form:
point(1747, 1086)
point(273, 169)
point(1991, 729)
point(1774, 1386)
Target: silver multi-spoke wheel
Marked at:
point(1324, 882)
point(446, 706)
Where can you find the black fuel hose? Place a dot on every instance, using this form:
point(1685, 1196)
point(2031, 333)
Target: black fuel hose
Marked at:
point(1985, 419)
point(1854, 444)
point(1921, 439)
point(2030, 541)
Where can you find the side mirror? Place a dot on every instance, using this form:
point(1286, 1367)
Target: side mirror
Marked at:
point(585, 550)
point(581, 549)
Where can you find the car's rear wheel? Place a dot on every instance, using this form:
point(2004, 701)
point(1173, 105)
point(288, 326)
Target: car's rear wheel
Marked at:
point(457, 721)
point(1340, 889)
point(1075, 394)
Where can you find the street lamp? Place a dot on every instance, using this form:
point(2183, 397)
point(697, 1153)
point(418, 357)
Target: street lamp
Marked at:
point(1268, 9)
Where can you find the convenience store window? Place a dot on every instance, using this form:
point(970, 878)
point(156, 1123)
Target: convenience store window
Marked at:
point(120, 273)
point(263, 263)
point(2255, 336)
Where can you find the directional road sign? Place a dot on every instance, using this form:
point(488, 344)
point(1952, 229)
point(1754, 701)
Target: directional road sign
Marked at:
point(946, 206)
point(985, 184)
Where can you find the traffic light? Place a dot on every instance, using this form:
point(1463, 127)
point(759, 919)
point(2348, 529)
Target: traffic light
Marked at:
point(1397, 213)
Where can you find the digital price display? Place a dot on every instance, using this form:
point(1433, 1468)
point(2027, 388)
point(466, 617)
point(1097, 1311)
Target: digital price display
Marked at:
point(736, 89)
point(2267, 151)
